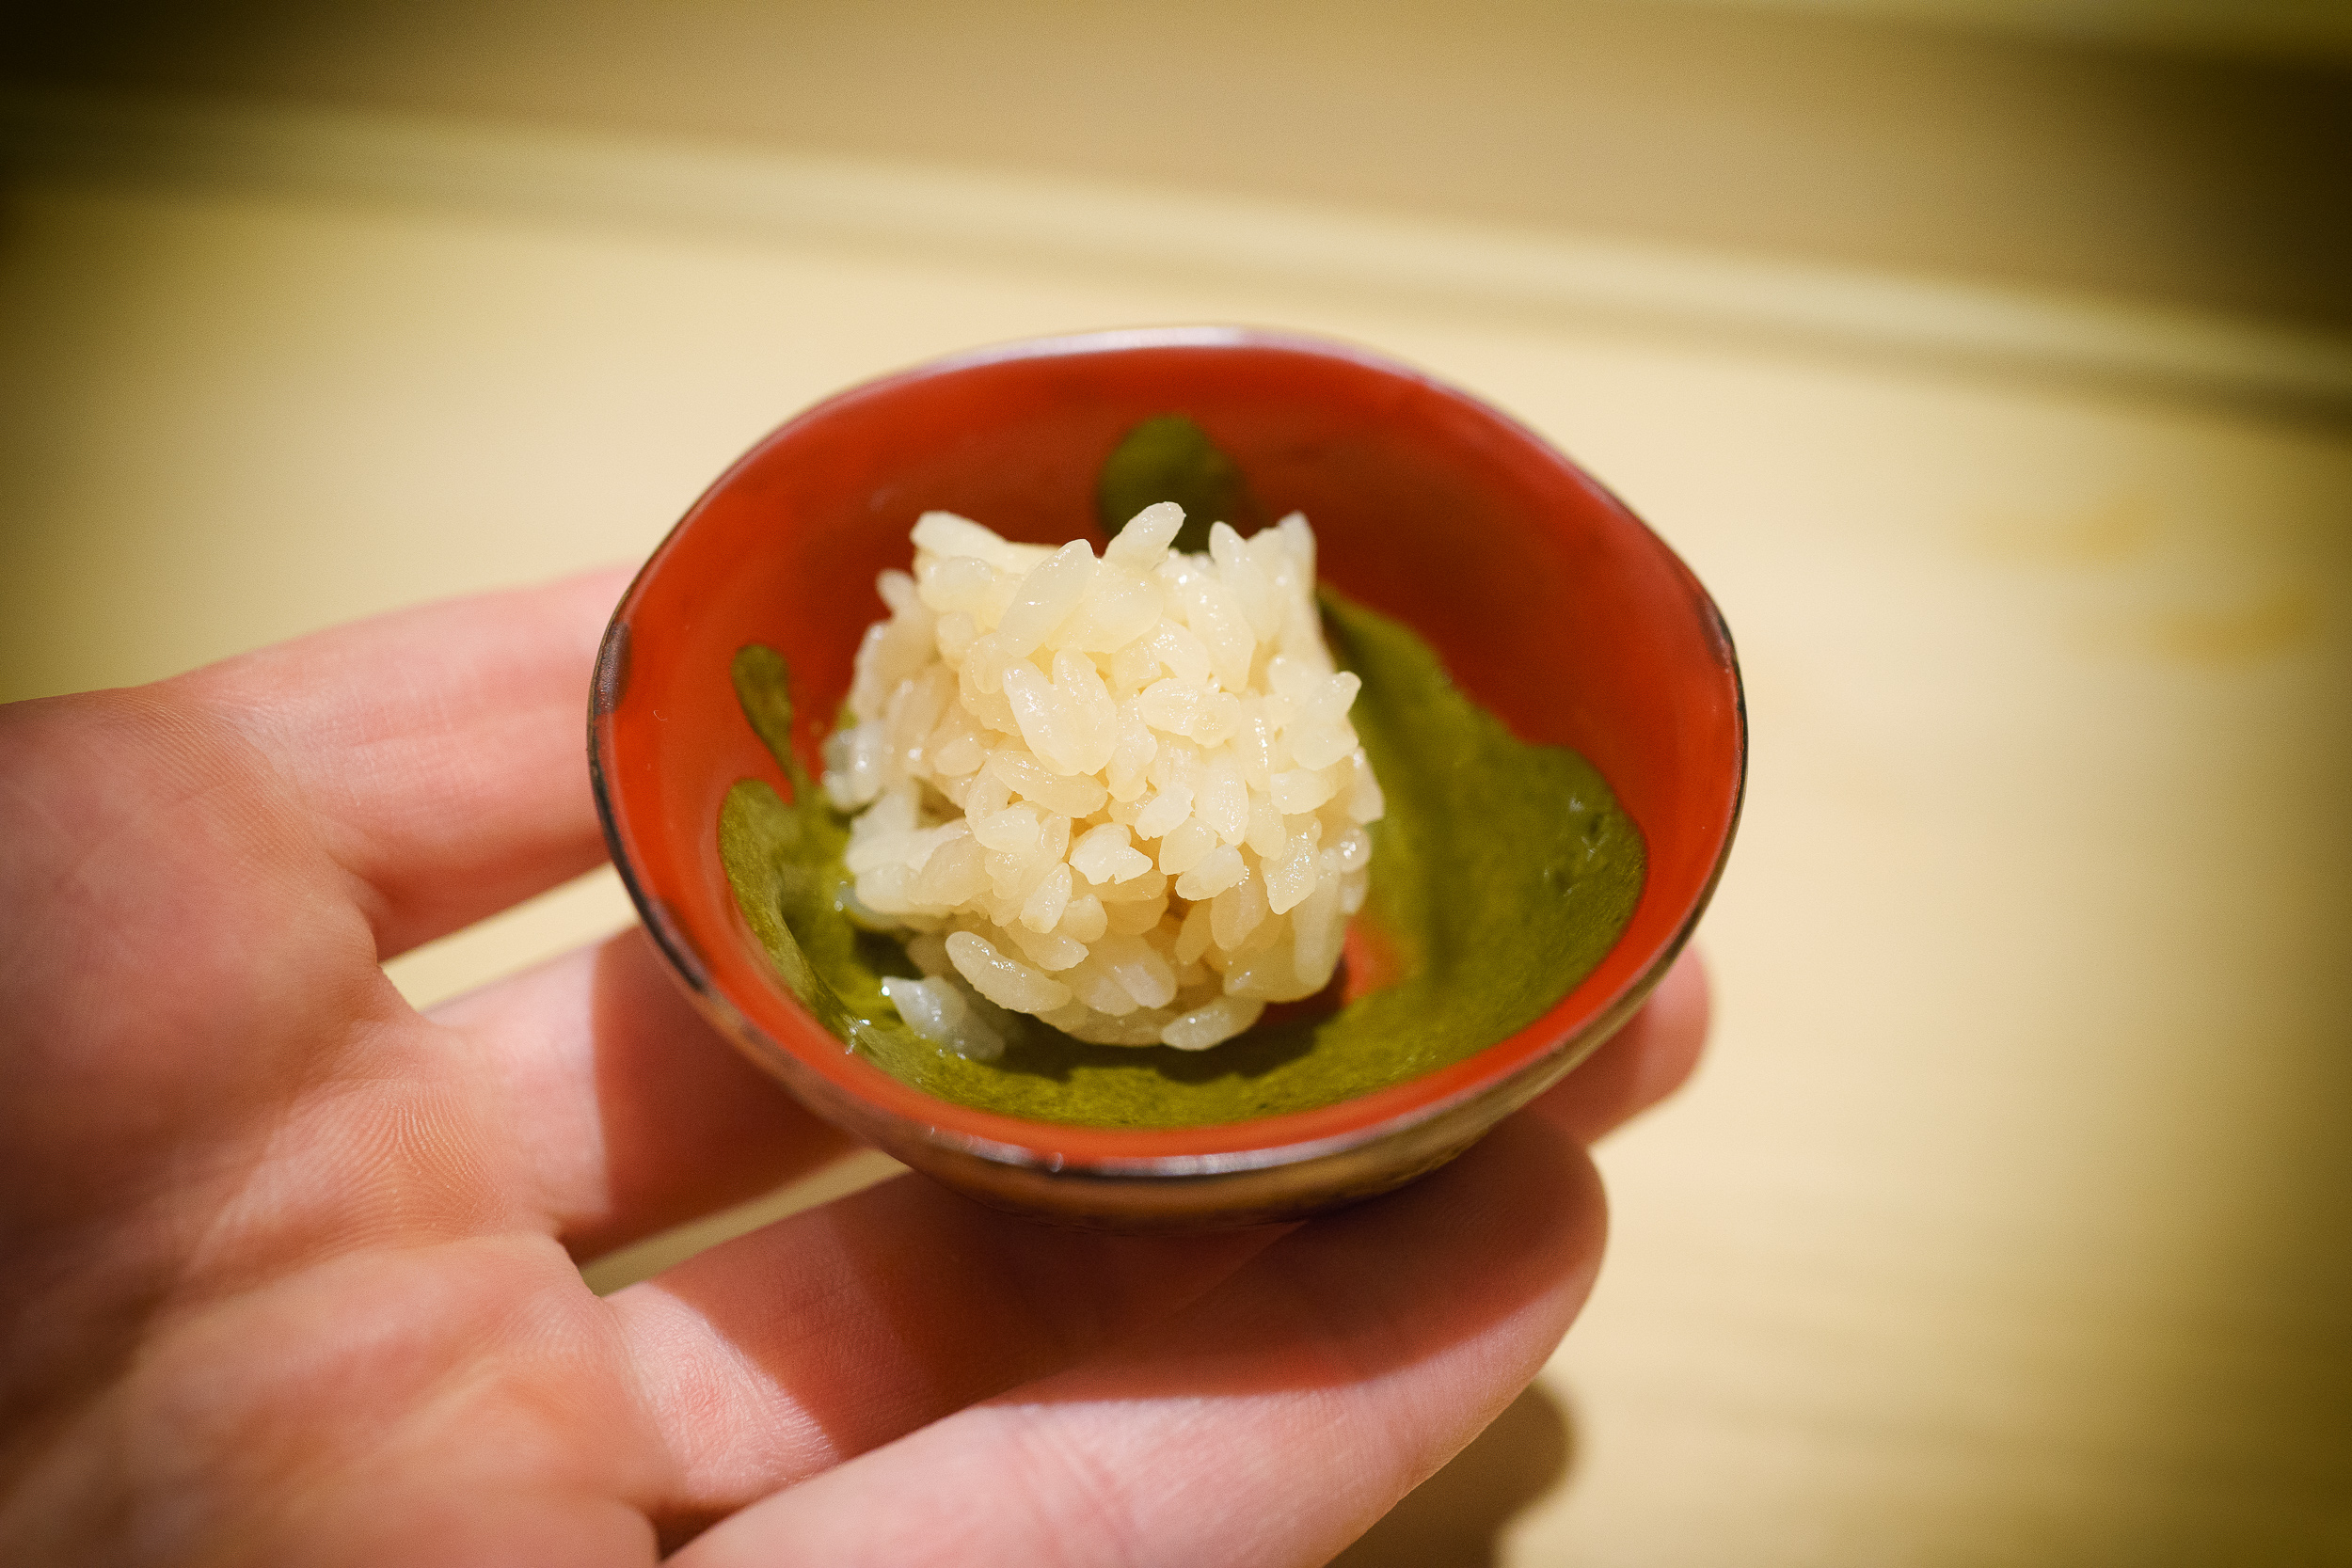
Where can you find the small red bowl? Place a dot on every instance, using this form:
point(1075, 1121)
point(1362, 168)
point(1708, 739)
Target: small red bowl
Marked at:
point(1548, 601)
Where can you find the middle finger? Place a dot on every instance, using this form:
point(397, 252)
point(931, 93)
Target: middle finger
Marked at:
point(622, 1112)
point(777, 1356)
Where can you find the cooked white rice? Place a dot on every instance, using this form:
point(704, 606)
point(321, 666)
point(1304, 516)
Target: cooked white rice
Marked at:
point(1120, 794)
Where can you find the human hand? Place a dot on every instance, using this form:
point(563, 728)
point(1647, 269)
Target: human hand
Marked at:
point(288, 1272)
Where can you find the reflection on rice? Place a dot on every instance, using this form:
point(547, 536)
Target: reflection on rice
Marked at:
point(1120, 794)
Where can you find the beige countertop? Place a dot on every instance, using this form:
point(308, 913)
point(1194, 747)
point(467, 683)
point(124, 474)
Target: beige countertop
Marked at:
point(2011, 1219)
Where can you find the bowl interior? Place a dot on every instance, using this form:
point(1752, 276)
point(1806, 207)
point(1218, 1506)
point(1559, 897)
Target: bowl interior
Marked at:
point(1548, 602)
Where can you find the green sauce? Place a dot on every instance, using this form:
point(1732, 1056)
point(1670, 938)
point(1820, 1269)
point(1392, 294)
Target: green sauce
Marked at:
point(1172, 459)
point(1500, 875)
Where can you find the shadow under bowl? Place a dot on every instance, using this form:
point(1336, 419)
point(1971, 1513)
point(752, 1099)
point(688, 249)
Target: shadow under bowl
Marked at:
point(1549, 603)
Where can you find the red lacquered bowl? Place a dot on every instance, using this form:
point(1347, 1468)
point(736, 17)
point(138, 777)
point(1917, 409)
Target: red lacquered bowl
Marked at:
point(1549, 602)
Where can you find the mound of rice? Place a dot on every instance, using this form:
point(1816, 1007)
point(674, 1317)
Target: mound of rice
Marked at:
point(1120, 794)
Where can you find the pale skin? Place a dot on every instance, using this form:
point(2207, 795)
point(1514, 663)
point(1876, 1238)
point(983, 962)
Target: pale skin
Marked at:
point(289, 1271)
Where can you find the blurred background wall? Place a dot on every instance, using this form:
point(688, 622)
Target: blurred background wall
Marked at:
point(1991, 361)
point(2188, 154)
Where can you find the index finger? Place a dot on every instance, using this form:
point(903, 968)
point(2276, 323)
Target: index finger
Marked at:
point(440, 749)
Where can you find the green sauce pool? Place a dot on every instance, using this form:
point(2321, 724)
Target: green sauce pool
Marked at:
point(1500, 875)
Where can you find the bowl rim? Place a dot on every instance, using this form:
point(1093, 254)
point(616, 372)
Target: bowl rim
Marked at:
point(833, 1072)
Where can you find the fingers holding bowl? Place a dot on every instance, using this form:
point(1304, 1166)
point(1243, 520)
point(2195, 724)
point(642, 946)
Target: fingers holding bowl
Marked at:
point(1271, 1419)
point(946, 1304)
